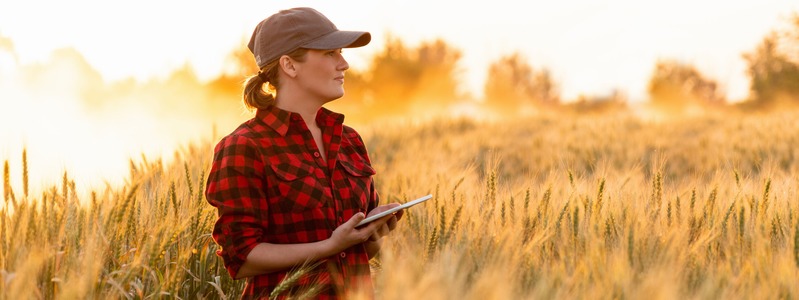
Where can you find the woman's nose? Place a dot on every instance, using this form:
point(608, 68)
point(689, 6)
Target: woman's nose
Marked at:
point(343, 64)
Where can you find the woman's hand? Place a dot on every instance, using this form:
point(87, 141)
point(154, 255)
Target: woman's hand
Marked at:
point(373, 244)
point(347, 235)
point(389, 225)
point(266, 258)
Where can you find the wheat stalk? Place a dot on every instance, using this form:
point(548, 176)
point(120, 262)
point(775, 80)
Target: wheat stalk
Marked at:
point(764, 204)
point(796, 245)
point(432, 242)
point(188, 178)
point(8, 193)
point(174, 199)
point(455, 219)
point(741, 228)
point(25, 172)
point(292, 278)
point(631, 246)
point(526, 200)
point(599, 197)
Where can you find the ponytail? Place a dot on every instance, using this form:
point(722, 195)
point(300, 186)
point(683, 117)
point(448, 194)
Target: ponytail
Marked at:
point(254, 95)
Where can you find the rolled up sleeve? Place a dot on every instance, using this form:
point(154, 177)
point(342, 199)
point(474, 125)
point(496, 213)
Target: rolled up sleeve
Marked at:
point(236, 187)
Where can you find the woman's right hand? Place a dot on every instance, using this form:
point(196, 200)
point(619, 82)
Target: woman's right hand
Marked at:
point(346, 235)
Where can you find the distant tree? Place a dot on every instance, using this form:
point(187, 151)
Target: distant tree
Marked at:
point(773, 67)
point(392, 76)
point(7, 46)
point(84, 81)
point(438, 83)
point(676, 85)
point(229, 84)
point(240, 62)
point(773, 72)
point(512, 82)
point(400, 79)
point(616, 100)
point(791, 38)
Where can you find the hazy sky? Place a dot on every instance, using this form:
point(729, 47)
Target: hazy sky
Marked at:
point(591, 47)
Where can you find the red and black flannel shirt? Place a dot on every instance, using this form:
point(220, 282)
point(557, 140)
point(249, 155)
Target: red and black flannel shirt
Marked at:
point(270, 185)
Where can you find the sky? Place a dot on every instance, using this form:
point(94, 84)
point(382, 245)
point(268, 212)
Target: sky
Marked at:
point(590, 47)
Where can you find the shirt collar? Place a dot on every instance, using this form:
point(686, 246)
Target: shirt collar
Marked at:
point(280, 120)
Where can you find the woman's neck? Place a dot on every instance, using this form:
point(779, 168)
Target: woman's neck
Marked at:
point(306, 109)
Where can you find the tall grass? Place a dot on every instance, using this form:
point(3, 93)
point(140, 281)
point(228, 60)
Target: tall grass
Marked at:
point(147, 238)
point(544, 207)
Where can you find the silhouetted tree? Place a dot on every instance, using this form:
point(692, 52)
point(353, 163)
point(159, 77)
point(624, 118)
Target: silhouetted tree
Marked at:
point(392, 77)
point(773, 67)
point(512, 82)
point(616, 100)
point(438, 83)
point(676, 85)
point(400, 79)
point(228, 86)
point(773, 74)
point(240, 62)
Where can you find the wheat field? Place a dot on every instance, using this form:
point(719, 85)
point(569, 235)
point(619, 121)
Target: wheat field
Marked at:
point(552, 206)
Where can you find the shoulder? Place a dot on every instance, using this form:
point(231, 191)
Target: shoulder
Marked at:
point(349, 134)
point(246, 134)
point(240, 140)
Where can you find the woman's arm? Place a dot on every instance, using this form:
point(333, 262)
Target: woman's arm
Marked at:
point(266, 258)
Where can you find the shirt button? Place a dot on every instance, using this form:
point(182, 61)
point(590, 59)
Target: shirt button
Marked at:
point(343, 255)
point(316, 154)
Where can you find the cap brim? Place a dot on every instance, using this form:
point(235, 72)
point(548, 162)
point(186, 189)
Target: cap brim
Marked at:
point(340, 39)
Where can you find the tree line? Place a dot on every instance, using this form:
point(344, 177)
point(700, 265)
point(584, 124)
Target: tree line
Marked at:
point(401, 79)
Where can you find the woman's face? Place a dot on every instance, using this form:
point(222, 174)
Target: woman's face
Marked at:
point(321, 75)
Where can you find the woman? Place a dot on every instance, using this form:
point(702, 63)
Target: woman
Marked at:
point(291, 184)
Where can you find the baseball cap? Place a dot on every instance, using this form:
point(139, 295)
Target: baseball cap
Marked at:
point(300, 27)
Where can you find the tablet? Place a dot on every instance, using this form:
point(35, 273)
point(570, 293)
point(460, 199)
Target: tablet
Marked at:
point(393, 210)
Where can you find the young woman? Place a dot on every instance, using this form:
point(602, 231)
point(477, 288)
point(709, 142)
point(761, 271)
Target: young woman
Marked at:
point(291, 184)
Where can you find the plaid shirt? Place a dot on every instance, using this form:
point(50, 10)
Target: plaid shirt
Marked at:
point(270, 185)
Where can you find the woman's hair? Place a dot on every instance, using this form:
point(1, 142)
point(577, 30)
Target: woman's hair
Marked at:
point(255, 96)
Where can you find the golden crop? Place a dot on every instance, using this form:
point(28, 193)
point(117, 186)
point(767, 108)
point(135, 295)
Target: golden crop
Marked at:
point(549, 206)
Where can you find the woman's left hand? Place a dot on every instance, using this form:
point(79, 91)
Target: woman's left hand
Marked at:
point(389, 225)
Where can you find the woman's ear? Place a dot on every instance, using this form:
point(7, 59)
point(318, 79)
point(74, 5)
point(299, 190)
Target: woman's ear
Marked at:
point(287, 65)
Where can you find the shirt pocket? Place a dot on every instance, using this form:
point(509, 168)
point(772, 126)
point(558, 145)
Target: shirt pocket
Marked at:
point(295, 188)
point(358, 175)
point(357, 168)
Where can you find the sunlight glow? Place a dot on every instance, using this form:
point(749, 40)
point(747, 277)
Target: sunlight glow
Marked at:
point(69, 119)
